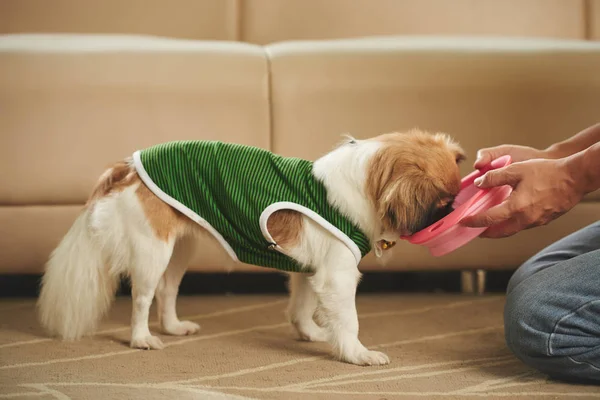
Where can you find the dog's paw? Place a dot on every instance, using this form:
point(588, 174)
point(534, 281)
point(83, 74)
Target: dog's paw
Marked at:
point(147, 343)
point(182, 328)
point(368, 357)
point(311, 332)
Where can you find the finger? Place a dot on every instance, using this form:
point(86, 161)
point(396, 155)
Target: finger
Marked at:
point(497, 177)
point(515, 225)
point(493, 216)
point(502, 230)
point(486, 156)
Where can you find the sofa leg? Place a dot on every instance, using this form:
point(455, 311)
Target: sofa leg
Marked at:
point(481, 276)
point(472, 282)
point(467, 281)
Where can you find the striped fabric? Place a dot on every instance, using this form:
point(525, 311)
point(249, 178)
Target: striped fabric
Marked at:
point(230, 185)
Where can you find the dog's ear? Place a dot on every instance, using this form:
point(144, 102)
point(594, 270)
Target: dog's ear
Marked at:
point(347, 139)
point(409, 204)
point(403, 196)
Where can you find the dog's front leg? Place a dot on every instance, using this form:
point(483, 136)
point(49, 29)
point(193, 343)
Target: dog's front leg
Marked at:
point(335, 284)
point(302, 307)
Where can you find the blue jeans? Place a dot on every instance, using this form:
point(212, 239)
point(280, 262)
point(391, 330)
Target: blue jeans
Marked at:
point(552, 312)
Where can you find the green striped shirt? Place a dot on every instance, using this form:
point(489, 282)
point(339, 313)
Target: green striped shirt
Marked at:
point(231, 190)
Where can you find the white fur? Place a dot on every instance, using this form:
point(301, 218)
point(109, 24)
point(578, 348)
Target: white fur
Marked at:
point(343, 172)
point(113, 237)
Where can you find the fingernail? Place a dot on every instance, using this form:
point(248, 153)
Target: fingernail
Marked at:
point(478, 181)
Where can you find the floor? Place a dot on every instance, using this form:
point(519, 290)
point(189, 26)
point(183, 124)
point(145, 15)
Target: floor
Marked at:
point(441, 346)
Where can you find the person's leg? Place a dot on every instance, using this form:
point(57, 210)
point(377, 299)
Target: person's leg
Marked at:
point(578, 243)
point(552, 312)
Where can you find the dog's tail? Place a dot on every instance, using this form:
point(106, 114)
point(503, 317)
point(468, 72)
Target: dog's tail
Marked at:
point(79, 285)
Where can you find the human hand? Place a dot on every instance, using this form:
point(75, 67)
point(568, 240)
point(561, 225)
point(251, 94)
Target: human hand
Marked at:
point(542, 191)
point(516, 153)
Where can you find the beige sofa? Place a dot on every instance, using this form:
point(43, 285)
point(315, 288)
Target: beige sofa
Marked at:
point(84, 86)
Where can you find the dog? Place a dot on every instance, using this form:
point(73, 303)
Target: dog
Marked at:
point(363, 195)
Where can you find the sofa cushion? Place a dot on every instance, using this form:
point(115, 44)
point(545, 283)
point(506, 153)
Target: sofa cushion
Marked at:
point(188, 19)
point(72, 105)
point(268, 21)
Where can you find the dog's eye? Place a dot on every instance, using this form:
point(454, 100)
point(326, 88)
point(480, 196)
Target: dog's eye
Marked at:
point(352, 141)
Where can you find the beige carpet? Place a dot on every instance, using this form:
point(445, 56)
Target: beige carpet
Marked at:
point(441, 346)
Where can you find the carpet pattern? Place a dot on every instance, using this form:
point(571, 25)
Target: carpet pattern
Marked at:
point(441, 346)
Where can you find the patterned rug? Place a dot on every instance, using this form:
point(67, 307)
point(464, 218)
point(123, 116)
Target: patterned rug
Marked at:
point(441, 346)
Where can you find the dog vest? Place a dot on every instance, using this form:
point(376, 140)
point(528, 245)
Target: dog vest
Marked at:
point(231, 190)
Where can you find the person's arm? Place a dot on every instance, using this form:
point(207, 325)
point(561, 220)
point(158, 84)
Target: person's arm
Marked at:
point(575, 144)
point(585, 165)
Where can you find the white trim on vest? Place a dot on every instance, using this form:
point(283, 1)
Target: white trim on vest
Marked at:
point(287, 205)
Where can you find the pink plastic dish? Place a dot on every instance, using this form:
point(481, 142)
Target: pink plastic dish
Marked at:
point(447, 235)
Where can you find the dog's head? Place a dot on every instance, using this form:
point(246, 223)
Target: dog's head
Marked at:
point(413, 179)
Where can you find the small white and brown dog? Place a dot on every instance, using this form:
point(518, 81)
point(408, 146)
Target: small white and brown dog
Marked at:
point(387, 186)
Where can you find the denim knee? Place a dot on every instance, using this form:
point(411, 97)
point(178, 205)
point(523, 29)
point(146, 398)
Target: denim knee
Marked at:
point(526, 341)
point(550, 338)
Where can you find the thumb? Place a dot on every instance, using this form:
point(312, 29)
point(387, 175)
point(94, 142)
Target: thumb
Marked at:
point(497, 177)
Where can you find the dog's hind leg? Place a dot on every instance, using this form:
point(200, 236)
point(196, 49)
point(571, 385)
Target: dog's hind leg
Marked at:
point(168, 287)
point(155, 239)
point(302, 307)
point(149, 264)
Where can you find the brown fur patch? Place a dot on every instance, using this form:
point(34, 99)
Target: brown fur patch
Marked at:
point(284, 227)
point(114, 179)
point(166, 221)
point(413, 178)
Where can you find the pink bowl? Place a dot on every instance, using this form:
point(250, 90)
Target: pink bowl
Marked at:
point(446, 235)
